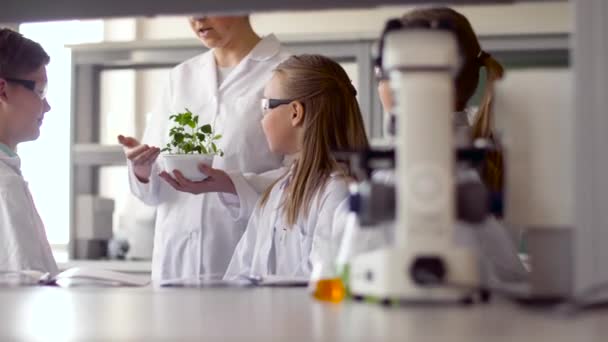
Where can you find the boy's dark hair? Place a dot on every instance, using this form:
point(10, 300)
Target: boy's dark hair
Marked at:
point(19, 55)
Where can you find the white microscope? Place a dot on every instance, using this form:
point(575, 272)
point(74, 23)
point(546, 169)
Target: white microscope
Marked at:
point(423, 263)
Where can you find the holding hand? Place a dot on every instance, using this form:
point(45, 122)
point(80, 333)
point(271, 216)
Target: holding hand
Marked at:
point(141, 156)
point(216, 181)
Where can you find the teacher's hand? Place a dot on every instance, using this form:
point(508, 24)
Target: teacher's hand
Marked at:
point(216, 181)
point(142, 157)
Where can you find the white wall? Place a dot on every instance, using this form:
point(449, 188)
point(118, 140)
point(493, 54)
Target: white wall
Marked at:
point(127, 96)
point(49, 182)
point(123, 29)
point(553, 17)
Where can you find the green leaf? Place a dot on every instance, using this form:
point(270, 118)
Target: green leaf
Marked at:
point(176, 130)
point(178, 137)
point(188, 147)
point(183, 119)
point(186, 136)
point(206, 129)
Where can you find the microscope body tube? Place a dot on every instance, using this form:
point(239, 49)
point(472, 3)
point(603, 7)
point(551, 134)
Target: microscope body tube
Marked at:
point(421, 65)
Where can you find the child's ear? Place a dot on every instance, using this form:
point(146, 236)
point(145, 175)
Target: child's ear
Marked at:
point(297, 113)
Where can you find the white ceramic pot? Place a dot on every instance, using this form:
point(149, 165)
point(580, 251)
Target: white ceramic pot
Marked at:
point(187, 164)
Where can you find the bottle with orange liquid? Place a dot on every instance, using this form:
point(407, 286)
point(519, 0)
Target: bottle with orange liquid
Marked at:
point(330, 282)
point(329, 279)
point(326, 285)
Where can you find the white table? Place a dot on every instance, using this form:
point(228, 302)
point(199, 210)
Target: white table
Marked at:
point(136, 267)
point(145, 314)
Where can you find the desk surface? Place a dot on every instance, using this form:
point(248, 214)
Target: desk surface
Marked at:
point(58, 314)
point(139, 267)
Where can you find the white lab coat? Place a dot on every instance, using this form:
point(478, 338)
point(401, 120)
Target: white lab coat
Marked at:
point(270, 247)
point(196, 235)
point(24, 245)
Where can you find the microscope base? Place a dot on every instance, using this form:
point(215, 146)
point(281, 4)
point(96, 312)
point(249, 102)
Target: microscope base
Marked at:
point(388, 275)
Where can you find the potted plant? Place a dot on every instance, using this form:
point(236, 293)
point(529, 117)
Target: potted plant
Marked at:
point(189, 145)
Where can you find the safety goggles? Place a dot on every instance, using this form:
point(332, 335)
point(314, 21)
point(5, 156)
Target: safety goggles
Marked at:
point(30, 85)
point(268, 104)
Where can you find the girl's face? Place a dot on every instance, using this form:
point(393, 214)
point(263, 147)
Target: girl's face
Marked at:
point(24, 105)
point(216, 32)
point(280, 121)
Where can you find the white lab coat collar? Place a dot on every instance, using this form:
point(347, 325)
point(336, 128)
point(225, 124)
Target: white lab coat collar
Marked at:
point(14, 162)
point(7, 150)
point(264, 50)
point(208, 61)
point(267, 48)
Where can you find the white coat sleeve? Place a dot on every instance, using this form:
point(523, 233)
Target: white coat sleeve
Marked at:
point(242, 259)
point(151, 193)
point(494, 243)
point(22, 236)
point(325, 241)
point(249, 187)
point(339, 223)
point(500, 249)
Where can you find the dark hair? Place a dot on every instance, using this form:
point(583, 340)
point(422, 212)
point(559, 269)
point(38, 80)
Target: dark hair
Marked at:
point(19, 55)
point(474, 58)
point(466, 82)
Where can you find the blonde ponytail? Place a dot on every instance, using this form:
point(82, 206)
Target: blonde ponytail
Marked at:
point(467, 80)
point(492, 169)
point(482, 127)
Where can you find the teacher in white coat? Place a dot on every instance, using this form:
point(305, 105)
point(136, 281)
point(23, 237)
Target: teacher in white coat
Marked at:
point(195, 235)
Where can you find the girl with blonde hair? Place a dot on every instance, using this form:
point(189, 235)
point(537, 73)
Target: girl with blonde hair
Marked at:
point(310, 110)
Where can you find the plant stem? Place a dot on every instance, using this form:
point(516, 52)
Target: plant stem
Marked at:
point(194, 135)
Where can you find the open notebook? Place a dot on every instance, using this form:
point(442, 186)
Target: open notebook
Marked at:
point(244, 281)
point(83, 276)
point(274, 280)
point(77, 276)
